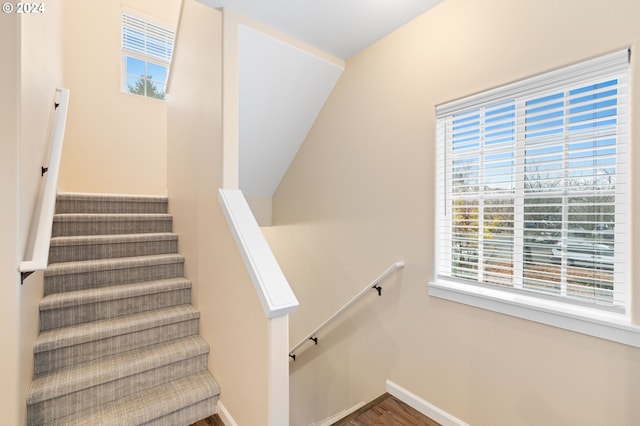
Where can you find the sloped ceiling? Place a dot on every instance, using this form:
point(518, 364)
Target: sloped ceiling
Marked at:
point(283, 88)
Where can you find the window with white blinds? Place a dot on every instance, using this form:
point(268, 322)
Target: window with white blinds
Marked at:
point(147, 48)
point(532, 186)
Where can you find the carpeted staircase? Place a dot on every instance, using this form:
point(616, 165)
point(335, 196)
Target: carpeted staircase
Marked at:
point(119, 341)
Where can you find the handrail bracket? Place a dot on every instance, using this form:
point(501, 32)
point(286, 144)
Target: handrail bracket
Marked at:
point(377, 287)
point(24, 275)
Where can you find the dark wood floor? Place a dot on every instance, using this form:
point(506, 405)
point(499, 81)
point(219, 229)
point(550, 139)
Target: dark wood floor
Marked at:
point(214, 420)
point(386, 410)
point(383, 411)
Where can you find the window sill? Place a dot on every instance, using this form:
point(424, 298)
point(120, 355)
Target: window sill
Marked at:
point(138, 96)
point(592, 322)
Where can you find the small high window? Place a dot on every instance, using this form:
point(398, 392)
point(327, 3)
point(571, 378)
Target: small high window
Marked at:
point(147, 46)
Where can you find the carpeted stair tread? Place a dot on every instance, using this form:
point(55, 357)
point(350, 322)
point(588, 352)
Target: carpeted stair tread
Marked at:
point(81, 306)
point(69, 224)
point(63, 357)
point(79, 275)
point(103, 217)
point(110, 203)
point(83, 266)
point(83, 333)
point(102, 294)
point(94, 373)
point(91, 247)
point(89, 240)
point(145, 407)
point(98, 196)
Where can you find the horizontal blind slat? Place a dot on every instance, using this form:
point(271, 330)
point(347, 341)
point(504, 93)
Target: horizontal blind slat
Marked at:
point(146, 38)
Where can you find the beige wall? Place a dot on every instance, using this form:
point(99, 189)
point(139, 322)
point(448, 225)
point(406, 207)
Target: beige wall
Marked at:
point(359, 196)
point(10, 398)
point(31, 48)
point(232, 320)
point(116, 142)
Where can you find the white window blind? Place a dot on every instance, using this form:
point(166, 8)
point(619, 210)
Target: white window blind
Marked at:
point(139, 36)
point(532, 185)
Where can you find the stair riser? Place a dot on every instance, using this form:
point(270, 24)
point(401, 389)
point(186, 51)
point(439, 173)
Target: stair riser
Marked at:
point(107, 206)
point(63, 357)
point(110, 227)
point(73, 253)
point(79, 314)
point(49, 410)
point(104, 278)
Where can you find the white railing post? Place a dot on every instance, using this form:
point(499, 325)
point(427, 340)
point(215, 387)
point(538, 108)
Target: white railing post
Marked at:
point(274, 293)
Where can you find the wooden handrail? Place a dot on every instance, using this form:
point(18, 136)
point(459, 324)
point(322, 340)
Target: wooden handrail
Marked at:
point(375, 284)
point(37, 255)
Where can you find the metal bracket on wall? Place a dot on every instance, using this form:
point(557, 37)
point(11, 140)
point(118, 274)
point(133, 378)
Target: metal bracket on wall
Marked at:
point(24, 275)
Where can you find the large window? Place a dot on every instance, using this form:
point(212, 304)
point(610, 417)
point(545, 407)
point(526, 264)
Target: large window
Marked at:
point(532, 187)
point(146, 55)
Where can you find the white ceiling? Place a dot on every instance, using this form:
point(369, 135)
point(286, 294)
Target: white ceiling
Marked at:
point(341, 28)
point(282, 88)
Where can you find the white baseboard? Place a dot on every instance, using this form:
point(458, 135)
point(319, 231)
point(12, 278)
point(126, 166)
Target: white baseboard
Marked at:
point(225, 416)
point(342, 414)
point(426, 408)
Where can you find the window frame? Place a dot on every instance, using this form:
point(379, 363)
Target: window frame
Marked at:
point(131, 18)
point(566, 314)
